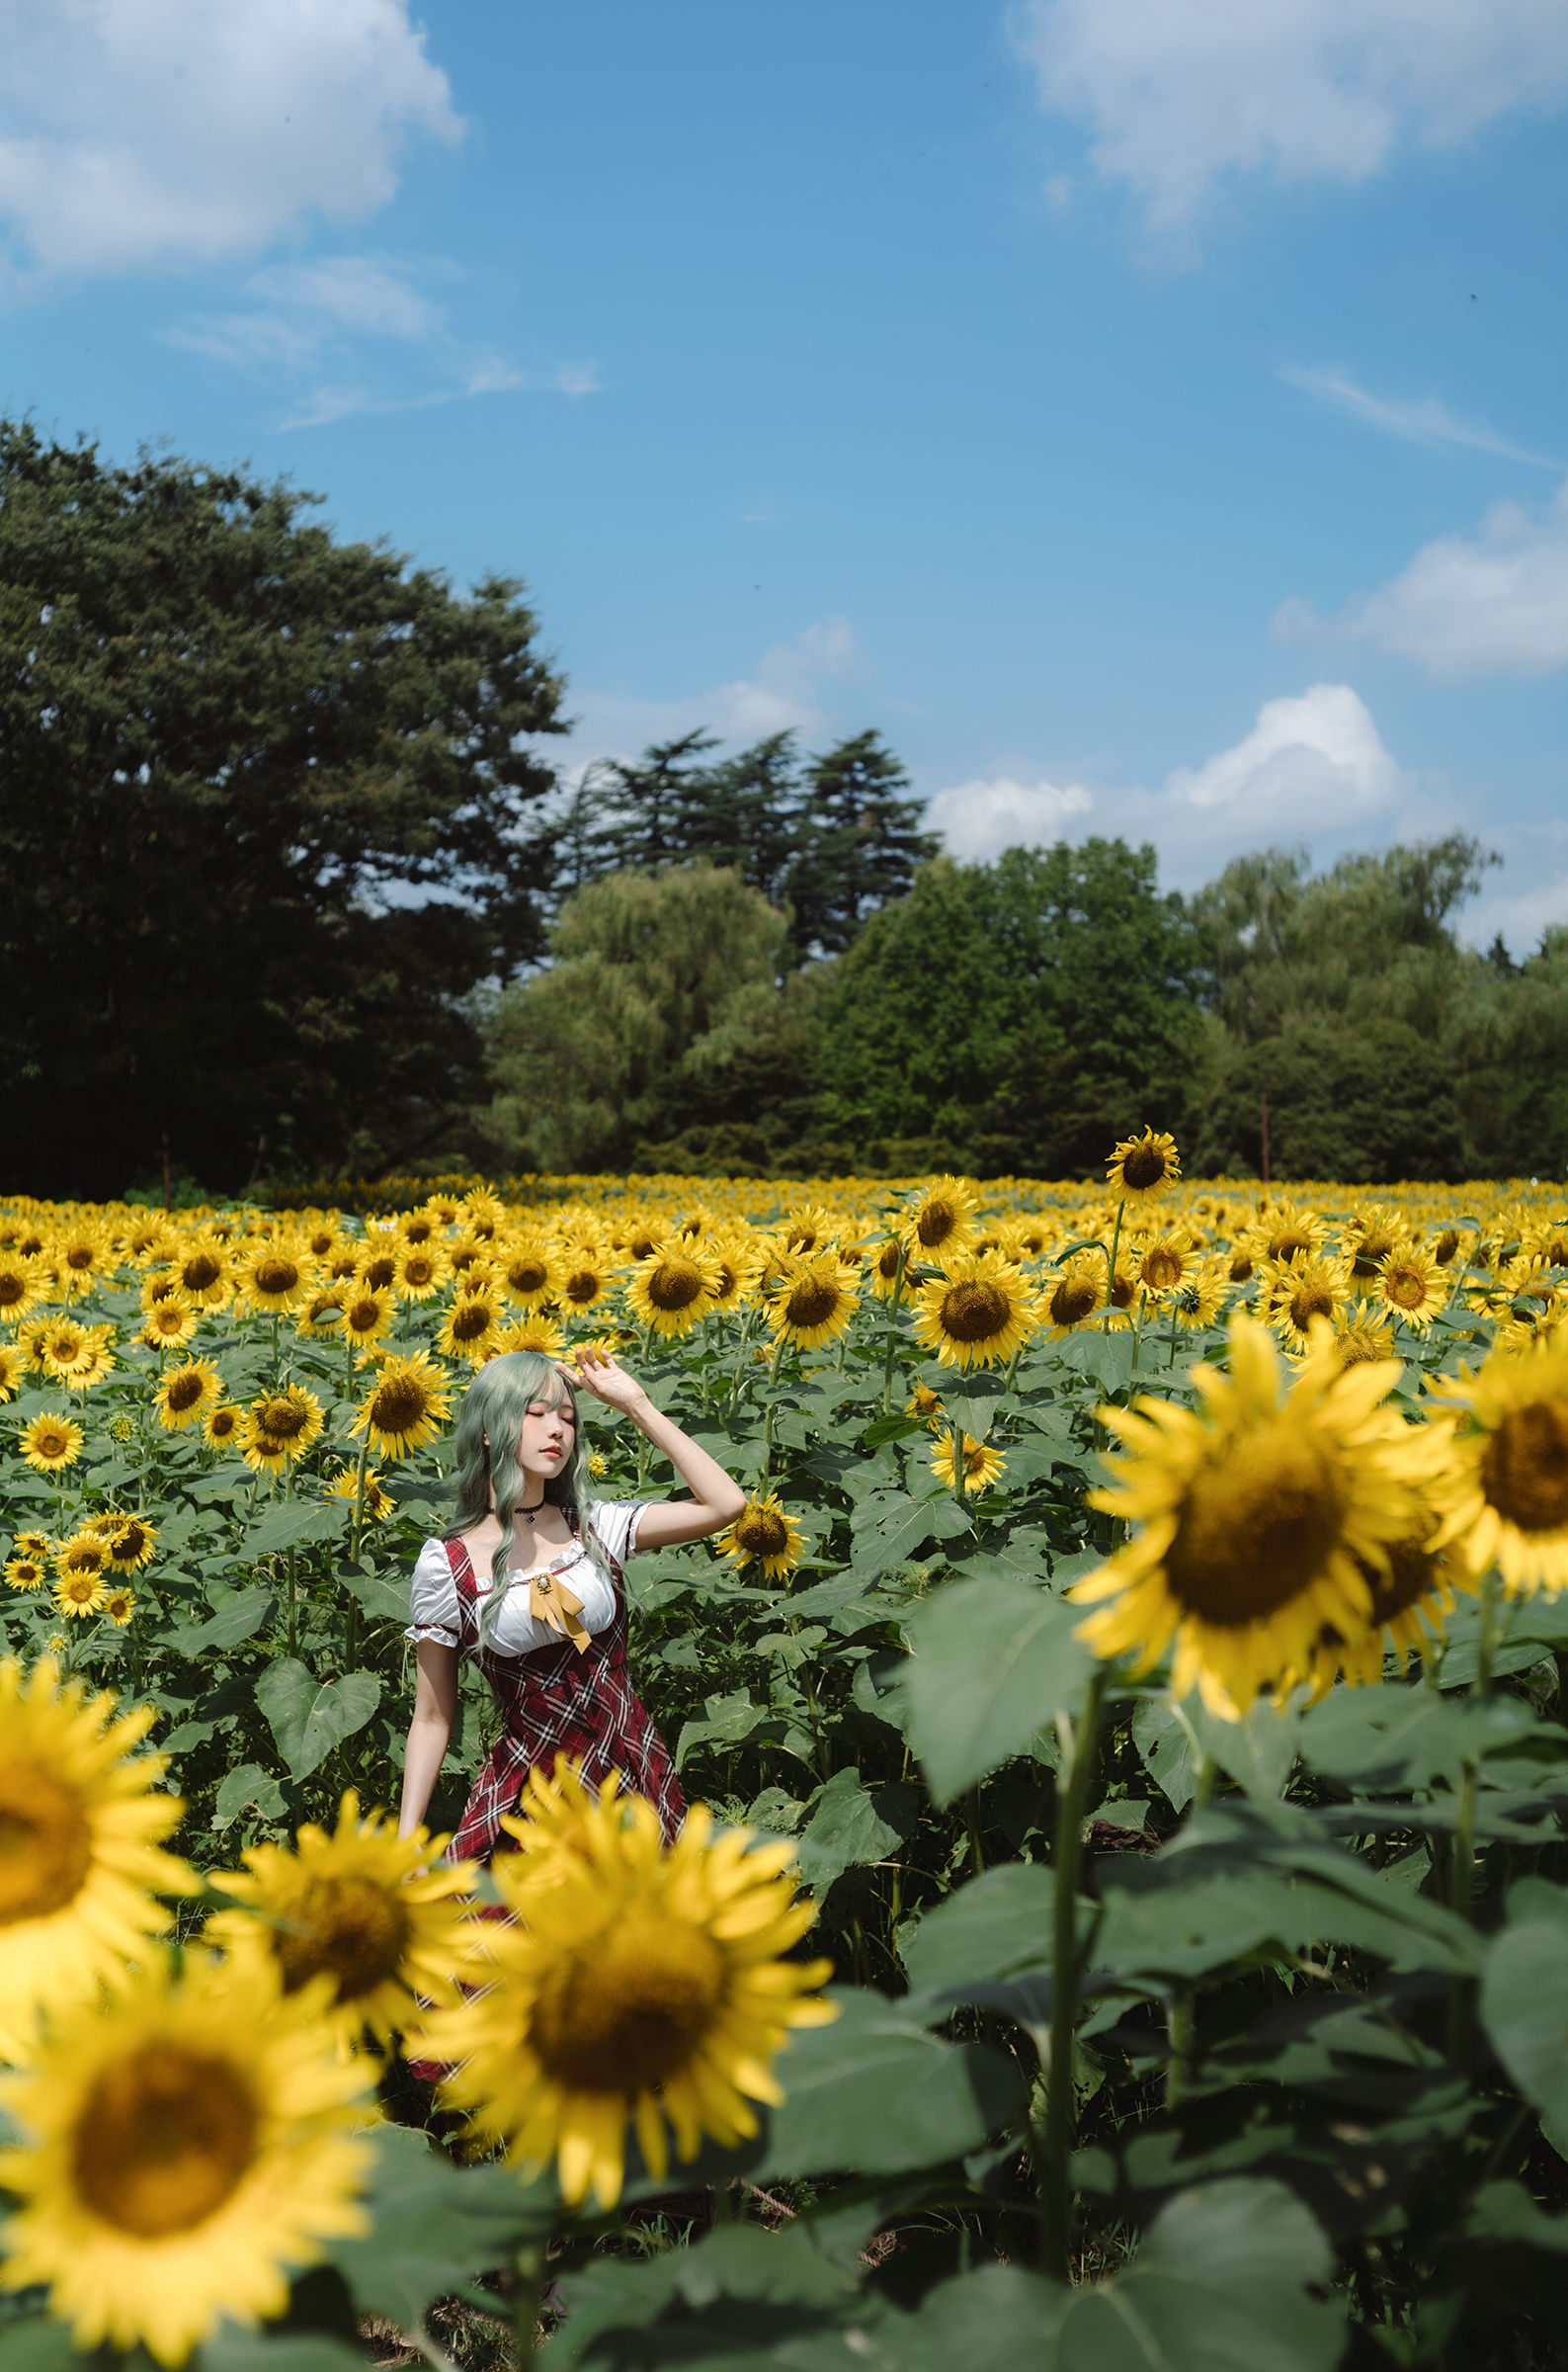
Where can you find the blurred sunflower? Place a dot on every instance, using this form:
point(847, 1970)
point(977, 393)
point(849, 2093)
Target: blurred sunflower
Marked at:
point(13, 1368)
point(25, 1571)
point(202, 1273)
point(885, 1265)
point(186, 1393)
point(1372, 1231)
point(470, 1329)
point(320, 1318)
point(20, 1287)
point(1298, 1295)
point(187, 2144)
point(764, 1534)
point(483, 1213)
point(420, 1271)
point(66, 1347)
point(98, 1364)
point(1446, 1246)
point(279, 1427)
point(376, 1271)
point(1141, 1168)
point(672, 1289)
point(815, 1301)
point(1072, 1297)
point(1256, 1518)
point(541, 1334)
point(806, 1229)
point(1198, 1301)
point(384, 1920)
point(941, 1221)
point(736, 1268)
point(33, 1543)
point(1166, 1262)
point(406, 1408)
point(83, 1251)
point(925, 1405)
point(978, 1314)
point(1502, 1493)
point(981, 1463)
point(640, 1983)
point(1411, 1603)
point(1412, 1286)
point(1287, 1233)
point(345, 1485)
point(50, 1442)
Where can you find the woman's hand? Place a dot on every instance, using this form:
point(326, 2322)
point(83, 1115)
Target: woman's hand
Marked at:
point(609, 1381)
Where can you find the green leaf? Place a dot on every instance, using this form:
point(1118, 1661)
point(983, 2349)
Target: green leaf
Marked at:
point(434, 2227)
point(1259, 1751)
point(309, 1717)
point(249, 1789)
point(235, 2350)
point(886, 1531)
point(241, 1614)
point(992, 1928)
point(1525, 1996)
point(997, 2320)
point(973, 1401)
point(847, 1829)
point(41, 2345)
point(992, 1661)
point(1162, 1740)
point(876, 2093)
point(292, 1521)
point(1405, 1737)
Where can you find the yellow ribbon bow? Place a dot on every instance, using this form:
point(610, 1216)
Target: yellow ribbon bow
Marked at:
point(559, 1608)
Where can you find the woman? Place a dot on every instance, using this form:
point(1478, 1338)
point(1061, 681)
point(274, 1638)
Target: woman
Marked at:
point(529, 1582)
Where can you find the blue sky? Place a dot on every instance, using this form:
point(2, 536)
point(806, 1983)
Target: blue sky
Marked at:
point(1147, 413)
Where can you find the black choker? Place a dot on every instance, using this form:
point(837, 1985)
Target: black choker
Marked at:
point(528, 1514)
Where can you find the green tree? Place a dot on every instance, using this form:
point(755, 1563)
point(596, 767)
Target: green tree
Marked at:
point(586, 1057)
point(1371, 1102)
point(262, 826)
point(1506, 1049)
point(861, 843)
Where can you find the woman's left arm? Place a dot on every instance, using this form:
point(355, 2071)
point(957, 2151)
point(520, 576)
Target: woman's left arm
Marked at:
point(715, 1498)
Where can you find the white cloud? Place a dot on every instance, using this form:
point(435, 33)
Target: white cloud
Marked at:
point(1429, 423)
point(978, 818)
point(1312, 764)
point(787, 692)
point(1180, 94)
point(307, 307)
point(1496, 604)
point(137, 134)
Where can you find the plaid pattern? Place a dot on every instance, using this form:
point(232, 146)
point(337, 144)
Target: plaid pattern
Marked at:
point(559, 1703)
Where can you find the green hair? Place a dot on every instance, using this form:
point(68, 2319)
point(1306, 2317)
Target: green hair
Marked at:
point(495, 1404)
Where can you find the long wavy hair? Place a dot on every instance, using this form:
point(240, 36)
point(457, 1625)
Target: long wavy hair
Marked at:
point(495, 1404)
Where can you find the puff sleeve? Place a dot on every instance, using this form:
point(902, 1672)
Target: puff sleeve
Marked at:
point(433, 1597)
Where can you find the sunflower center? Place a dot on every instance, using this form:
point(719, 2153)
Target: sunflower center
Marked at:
point(887, 1262)
point(282, 1419)
point(222, 1423)
point(80, 1256)
point(675, 1285)
point(1406, 1287)
point(1240, 1267)
point(1447, 1245)
point(1407, 1578)
point(1372, 1248)
point(379, 1274)
point(1162, 1268)
point(762, 1532)
point(1525, 1467)
point(350, 1927)
point(1311, 1301)
point(419, 1270)
point(1074, 1300)
point(184, 1392)
point(1256, 1527)
point(46, 1844)
point(975, 1311)
point(13, 1289)
point(582, 1286)
point(1121, 1291)
point(1288, 1242)
point(51, 1441)
point(631, 2017)
point(470, 1320)
point(276, 1276)
point(199, 1273)
point(935, 1224)
point(1144, 1167)
point(399, 1406)
point(364, 1317)
point(812, 1301)
point(528, 1276)
point(129, 1543)
point(163, 2139)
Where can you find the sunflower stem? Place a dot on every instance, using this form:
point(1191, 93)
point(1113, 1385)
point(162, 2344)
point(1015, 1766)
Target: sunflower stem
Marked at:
point(530, 2272)
point(1111, 1265)
point(1056, 2139)
point(293, 1604)
point(358, 1532)
point(1461, 1996)
point(961, 1471)
point(894, 1300)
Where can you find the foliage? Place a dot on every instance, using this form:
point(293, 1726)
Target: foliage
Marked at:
point(265, 790)
point(1366, 1098)
point(1309, 1962)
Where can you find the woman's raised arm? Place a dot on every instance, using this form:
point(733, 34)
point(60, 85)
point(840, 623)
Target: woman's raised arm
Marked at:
point(715, 1500)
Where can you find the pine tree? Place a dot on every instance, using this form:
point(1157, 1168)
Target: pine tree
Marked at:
point(860, 846)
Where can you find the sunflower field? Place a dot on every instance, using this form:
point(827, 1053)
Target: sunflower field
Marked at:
point(1125, 1916)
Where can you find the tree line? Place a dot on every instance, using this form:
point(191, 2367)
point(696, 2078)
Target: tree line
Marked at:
point(295, 889)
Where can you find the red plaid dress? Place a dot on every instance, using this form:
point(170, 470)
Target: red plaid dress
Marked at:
point(559, 1703)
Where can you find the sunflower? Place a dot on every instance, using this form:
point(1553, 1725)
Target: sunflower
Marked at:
point(346, 1486)
point(1503, 1493)
point(673, 1288)
point(420, 1271)
point(66, 1348)
point(279, 1427)
point(1072, 1298)
point(737, 1265)
point(1166, 1262)
point(978, 1314)
point(1254, 1513)
point(13, 1368)
point(119, 1604)
point(419, 1226)
point(1300, 1294)
point(1363, 1332)
point(696, 1222)
point(169, 1322)
point(406, 1408)
point(885, 1265)
point(764, 1534)
point(21, 1285)
point(322, 1318)
point(1446, 1245)
point(803, 1230)
point(1373, 1230)
point(366, 1314)
point(25, 1571)
point(223, 1424)
point(981, 1463)
point(1412, 1286)
point(1285, 1234)
point(925, 1405)
point(382, 1918)
point(598, 1466)
point(1411, 1603)
point(85, 1551)
point(187, 2143)
point(528, 1272)
point(376, 1271)
point(81, 1594)
point(815, 1301)
point(50, 1442)
point(541, 1334)
point(201, 1272)
point(81, 1829)
point(132, 1543)
point(1198, 1300)
point(33, 1543)
point(275, 1277)
point(470, 1329)
point(95, 1367)
point(1140, 1169)
point(942, 1221)
point(483, 1213)
point(646, 1985)
point(186, 1393)
point(83, 1252)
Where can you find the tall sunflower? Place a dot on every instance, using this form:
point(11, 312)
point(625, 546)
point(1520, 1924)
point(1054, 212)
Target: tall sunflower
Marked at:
point(1071, 1298)
point(382, 1918)
point(275, 1277)
point(366, 1314)
point(765, 1534)
point(978, 1314)
point(1141, 1168)
point(1257, 1517)
point(279, 1427)
point(470, 1329)
point(528, 1272)
point(406, 1408)
point(169, 1324)
point(50, 1443)
point(673, 1288)
point(815, 1301)
point(885, 1258)
point(981, 1463)
point(20, 1286)
point(186, 2143)
point(186, 1393)
point(1412, 1285)
point(641, 1985)
point(941, 1221)
point(1503, 1494)
point(81, 1831)
point(1300, 1293)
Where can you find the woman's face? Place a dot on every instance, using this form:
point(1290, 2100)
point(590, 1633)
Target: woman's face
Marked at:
point(545, 1442)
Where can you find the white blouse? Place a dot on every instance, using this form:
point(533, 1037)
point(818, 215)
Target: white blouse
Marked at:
point(517, 1632)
